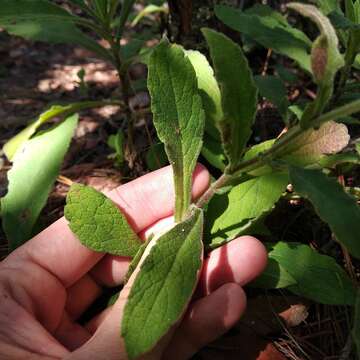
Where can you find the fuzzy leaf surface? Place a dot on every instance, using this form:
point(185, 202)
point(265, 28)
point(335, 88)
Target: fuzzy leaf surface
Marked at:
point(318, 277)
point(31, 178)
point(312, 145)
point(162, 288)
point(238, 94)
point(228, 214)
point(178, 116)
point(98, 223)
point(332, 204)
point(326, 59)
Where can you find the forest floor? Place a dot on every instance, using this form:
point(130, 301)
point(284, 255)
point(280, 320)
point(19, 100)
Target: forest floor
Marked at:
point(34, 75)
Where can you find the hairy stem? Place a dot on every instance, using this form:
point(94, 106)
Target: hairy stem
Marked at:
point(264, 157)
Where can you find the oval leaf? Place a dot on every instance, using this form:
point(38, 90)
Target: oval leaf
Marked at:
point(31, 178)
point(231, 213)
point(178, 116)
point(160, 289)
point(238, 94)
point(98, 223)
point(318, 277)
point(332, 204)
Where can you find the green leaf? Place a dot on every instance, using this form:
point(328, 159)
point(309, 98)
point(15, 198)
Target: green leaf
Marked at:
point(213, 152)
point(161, 290)
point(339, 21)
point(327, 6)
point(356, 327)
point(270, 29)
point(231, 213)
point(326, 59)
point(273, 89)
point(98, 223)
point(31, 178)
point(274, 276)
point(211, 99)
point(178, 116)
point(147, 10)
point(20, 10)
point(126, 7)
point(209, 88)
point(43, 21)
point(238, 94)
point(313, 145)
point(318, 277)
point(12, 145)
point(332, 204)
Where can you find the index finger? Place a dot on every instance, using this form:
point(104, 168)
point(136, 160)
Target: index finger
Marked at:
point(144, 201)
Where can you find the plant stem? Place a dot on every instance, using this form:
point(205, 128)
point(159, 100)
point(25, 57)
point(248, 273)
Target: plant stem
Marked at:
point(264, 157)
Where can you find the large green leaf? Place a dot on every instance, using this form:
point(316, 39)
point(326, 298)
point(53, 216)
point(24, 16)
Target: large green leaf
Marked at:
point(12, 145)
point(332, 203)
point(44, 21)
point(356, 326)
point(159, 292)
point(31, 178)
point(275, 276)
point(21, 10)
point(178, 116)
point(231, 213)
point(270, 29)
point(209, 88)
point(98, 222)
point(318, 277)
point(238, 94)
point(211, 99)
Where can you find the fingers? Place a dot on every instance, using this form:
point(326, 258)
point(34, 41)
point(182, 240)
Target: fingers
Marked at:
point(206, 320)
point(239, 261)
point(81, 295)
point(144, 200)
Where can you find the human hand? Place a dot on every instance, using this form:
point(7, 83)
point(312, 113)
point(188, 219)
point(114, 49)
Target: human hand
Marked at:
point(46, 284)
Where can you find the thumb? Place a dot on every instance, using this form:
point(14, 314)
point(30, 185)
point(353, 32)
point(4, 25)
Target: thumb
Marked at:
point(107, 342)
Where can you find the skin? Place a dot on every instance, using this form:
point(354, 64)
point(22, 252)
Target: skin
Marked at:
point(46, 284)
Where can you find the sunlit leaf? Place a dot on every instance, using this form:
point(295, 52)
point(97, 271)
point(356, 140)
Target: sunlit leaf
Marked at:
point(178, 116)
point(159, 290)
point(31, 178)
point(98, 222)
